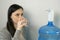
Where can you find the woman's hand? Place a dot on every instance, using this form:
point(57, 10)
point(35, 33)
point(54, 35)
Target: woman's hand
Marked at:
point(21, 23)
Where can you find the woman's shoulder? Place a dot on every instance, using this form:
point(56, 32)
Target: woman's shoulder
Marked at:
point(4, 32)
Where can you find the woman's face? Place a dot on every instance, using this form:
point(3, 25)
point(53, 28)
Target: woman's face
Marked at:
point(17, 15)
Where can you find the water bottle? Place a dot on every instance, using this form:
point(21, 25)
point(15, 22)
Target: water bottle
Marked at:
point(49, 31)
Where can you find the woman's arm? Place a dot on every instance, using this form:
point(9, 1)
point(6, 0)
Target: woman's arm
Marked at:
point(18, 35)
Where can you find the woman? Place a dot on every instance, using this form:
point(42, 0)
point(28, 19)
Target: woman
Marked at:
point(15, 24)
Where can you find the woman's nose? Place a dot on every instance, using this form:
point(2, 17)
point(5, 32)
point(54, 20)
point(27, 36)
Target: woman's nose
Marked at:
point(21, 18)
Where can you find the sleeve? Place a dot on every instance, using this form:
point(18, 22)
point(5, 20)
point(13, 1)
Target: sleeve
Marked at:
point(18, 35)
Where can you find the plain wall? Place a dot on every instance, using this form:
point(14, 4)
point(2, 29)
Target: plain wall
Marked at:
point(34, 11)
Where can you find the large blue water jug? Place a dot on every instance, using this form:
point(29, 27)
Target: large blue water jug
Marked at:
point(49, 31)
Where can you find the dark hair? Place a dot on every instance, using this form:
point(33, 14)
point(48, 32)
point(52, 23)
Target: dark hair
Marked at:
point(10, 25)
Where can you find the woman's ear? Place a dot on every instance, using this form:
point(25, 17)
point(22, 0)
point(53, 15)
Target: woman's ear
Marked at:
point(11, 17)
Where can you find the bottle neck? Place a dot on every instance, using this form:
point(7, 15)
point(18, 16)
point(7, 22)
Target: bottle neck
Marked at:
point(50, 23)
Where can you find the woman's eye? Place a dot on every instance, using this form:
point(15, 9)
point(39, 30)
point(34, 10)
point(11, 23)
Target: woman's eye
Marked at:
point(22, 14)
point(17, 14)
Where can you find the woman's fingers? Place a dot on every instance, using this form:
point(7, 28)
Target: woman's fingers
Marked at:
point(22, 23)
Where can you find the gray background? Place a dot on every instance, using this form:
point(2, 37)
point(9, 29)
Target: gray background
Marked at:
point(34, 12)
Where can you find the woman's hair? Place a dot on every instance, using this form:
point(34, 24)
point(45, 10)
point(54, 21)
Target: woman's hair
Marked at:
point(10, 25)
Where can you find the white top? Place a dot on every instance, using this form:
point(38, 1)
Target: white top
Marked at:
point(50, 15)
